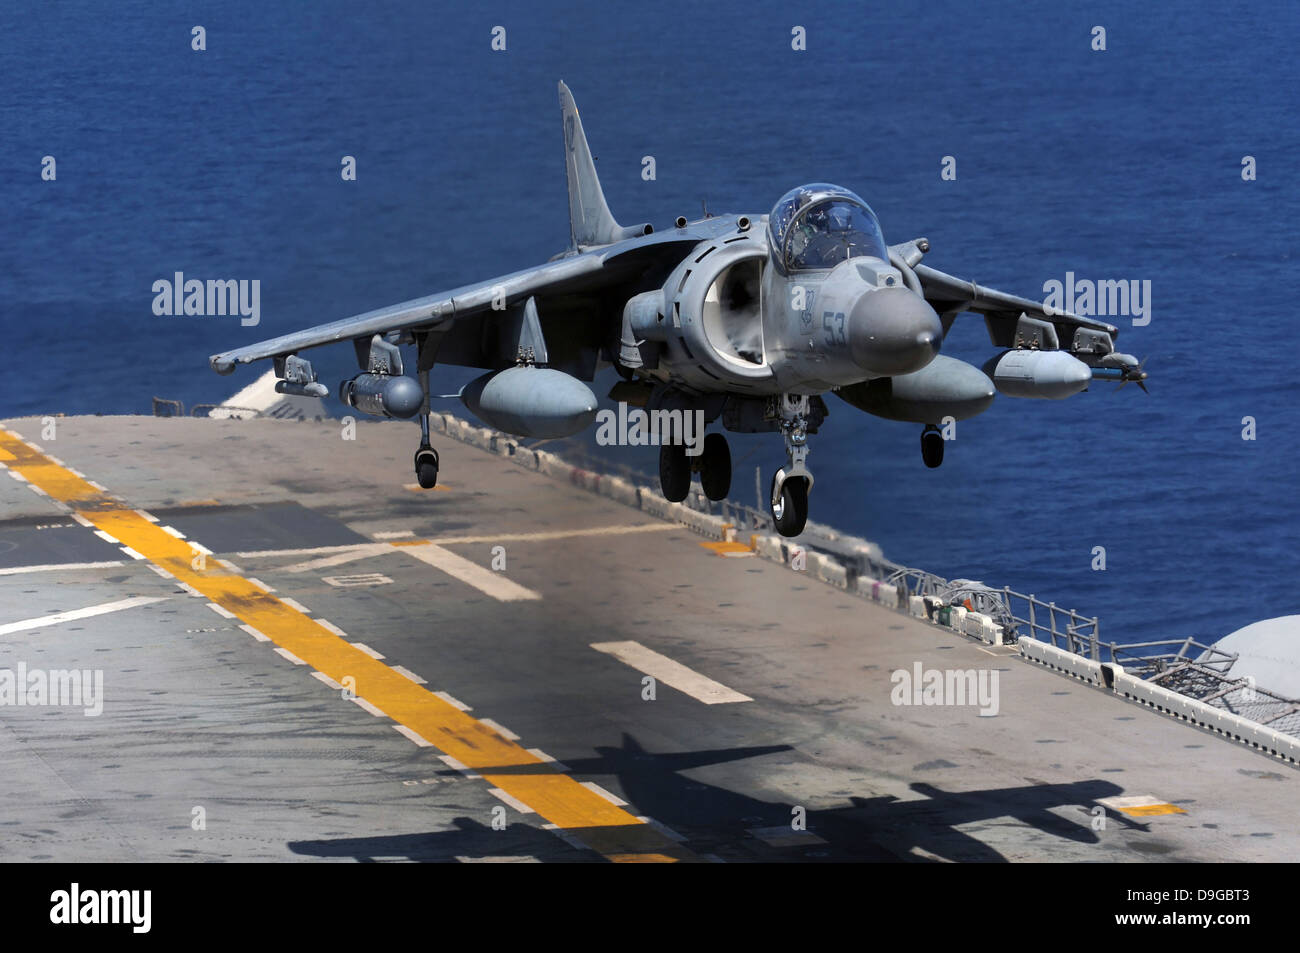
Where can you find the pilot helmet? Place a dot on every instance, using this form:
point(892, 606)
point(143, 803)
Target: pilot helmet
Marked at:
point(839, 217)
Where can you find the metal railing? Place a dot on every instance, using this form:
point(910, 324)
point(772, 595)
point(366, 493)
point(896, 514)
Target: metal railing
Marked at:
point(1021, 615)
point(205, 410)
point(1048, 622)
point(165, 407)
point(1166, 658)
point(162, 407)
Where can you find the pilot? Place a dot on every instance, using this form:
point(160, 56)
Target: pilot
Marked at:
point(806, 228)
point(828, 230)
point(838, 218)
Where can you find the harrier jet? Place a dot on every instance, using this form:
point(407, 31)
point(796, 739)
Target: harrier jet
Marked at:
point(744, 321)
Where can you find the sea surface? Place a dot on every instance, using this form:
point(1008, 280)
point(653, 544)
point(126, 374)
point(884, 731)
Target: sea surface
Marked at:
point(1116, 164)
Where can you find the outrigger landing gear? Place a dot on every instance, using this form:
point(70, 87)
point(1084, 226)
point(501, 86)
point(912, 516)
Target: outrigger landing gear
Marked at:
point(932, 446)
point(426, 458)
point(791, 484)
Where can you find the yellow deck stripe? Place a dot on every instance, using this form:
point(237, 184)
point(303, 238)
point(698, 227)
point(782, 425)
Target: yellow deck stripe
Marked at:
point(726, 548)
point(558, 798)
point(1152, 810)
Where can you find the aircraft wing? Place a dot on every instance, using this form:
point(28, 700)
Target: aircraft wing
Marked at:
point(950, 296)
point(583, 274)
point(567, 275)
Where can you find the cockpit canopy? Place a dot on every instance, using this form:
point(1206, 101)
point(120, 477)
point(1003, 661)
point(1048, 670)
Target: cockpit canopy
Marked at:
point(820, 225)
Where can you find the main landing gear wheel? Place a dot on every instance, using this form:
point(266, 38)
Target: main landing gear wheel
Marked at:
point(674, 472)
point(715, 467)
point(790, 510)
point(426, 467)
point(932, 446)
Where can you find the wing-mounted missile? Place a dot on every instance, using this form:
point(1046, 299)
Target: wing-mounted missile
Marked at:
point(1124, 368)
point(946, 387)
point(530, 401)
point(297, 378)
point(1097, 349)
point(1037, 368)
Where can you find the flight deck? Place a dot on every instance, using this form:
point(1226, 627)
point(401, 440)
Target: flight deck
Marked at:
point(305, 656)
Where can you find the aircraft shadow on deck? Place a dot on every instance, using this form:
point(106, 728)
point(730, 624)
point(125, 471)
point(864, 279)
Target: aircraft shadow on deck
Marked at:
point(718, 821)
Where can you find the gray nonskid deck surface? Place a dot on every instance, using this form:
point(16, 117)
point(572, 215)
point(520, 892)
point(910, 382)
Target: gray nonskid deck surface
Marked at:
point(198, 714)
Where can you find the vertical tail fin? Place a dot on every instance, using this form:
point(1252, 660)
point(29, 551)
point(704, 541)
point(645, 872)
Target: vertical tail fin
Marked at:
point(590, 221)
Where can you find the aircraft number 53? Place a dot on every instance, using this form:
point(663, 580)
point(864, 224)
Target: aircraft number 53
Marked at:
point(833, 325)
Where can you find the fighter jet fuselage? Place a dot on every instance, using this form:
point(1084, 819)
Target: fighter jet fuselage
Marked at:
point(745, 320)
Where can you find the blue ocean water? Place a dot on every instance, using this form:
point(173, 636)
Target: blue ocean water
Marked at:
point(1119, 164)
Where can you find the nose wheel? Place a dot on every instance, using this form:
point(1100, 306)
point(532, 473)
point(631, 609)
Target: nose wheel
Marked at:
point(790, 505)
point(932, 446)
point(792, 483)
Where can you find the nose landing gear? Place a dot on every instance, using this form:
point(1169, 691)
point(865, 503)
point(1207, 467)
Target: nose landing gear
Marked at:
point(791, 484)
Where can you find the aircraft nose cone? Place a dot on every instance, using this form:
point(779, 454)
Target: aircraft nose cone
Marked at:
point(893, 331)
